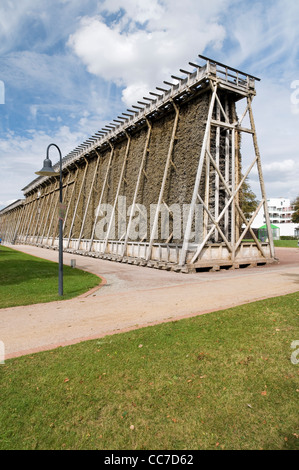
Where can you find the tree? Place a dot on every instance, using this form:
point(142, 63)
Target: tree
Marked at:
point(248, 200)
point(295, 217)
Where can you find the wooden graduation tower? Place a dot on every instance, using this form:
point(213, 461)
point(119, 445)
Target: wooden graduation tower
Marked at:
point(174, 159)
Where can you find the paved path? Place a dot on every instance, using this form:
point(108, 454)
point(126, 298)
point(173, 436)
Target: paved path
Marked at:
point(134, 296)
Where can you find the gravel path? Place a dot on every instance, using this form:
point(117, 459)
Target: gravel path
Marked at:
point(132, 297)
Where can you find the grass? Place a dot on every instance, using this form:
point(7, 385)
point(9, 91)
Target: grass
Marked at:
point(26, 280)
point(224, 380)
point(281, 243)
point(286, 243)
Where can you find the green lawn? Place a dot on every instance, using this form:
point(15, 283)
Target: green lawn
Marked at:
point(26, 280)
point(286, 243)
point(224, 380)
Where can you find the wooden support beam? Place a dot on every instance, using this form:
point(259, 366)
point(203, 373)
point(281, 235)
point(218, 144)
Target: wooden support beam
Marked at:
point(19, 212)
point(89, 198)
point(216, 187)
point(155, 94)
point(44, 198)
point(31, 216)
point(141, 171)
point(51, 196)
point(77, 202)
point(37, 217)
point(233, 206)
point(27, 207)
point(227, 125)
point(41, 216)
point(248, 224)
point(54, 213)
point(117, 192)
point(180, 79)
point(170, 151)
point(102, 194)
point(168, 83)
point(227, 165)
point(222, 110)
point(229, 202)
point(215, 223)
point(261, 177)
point(21, 225)
point(162, 89)
point(68, 183)
point(185, 245)
point(186, 72)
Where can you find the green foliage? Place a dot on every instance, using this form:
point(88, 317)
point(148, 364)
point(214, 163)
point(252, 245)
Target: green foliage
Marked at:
point(295, 217)
point(248, 200)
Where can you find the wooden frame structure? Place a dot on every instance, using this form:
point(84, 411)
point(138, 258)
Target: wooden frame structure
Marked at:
point(102, 169)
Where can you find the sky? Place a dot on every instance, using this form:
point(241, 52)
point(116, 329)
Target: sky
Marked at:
point(68, 68)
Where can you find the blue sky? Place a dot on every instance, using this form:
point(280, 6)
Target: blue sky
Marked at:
point(69, 67)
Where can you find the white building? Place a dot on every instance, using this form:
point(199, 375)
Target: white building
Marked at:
point(280, 212)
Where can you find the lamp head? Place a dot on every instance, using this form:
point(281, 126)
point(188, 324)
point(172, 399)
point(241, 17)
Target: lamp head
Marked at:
point(47, 169)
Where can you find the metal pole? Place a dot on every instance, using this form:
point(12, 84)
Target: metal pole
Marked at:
point(60, 272)
point(60, 277)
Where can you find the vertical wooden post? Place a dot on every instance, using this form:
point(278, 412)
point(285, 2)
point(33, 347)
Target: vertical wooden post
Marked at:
point(145, 152)
point(261, 178)
point(227, 168)
point(39, 209)
point(77, 203)
point(207, 190)
point(197, 179)
point(51, 196)
point(27, 207)
point(88, 199)
point(102, 194)
point(217, 163)
point(42, 214)
point(168, 160)
point(233, 205)
point(237, 180)
point(29, 222)
point(72, 193)
point(20, 223)
point(54, 213)
point(10, 224)
point(117, 192)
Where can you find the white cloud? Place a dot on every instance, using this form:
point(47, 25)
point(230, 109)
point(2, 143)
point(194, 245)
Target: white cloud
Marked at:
point(22, 156)
point(135, 45)
point(284, 166)
point(147, 43)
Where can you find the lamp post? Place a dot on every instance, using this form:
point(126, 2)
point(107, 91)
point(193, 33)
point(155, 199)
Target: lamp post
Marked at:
point(48, 170)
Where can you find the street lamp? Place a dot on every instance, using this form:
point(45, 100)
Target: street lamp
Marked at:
point(48, 170)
